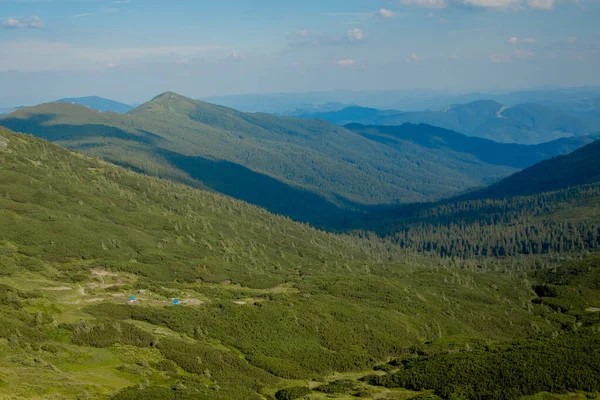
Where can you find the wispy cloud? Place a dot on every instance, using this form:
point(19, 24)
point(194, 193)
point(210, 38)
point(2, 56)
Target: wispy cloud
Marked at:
point(414, 58)
point(489, 4)
point(345, 62)
point(541, 4)
point(501, 58)
point(524, 53)
point(356, 34)
point(34, 22)
point(426, 3)
point(83, 15)
point(515, 40)
point(312, 38)
point(307, 37)
point(384, 13)
point(54, 56)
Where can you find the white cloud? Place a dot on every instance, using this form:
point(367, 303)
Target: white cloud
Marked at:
point(541, 4)
point(453, 57)
point(491, 4)
point(430, 15)
point(345, 62)
point(356, 34)
point(444, 20)
point(525, 53)
point(426, 3)
point(83, 15)
point(514, 40)
point(34, 22)
point(414, 58)
point(182, 61)
point(111, 65)
point(500, 58)
point(572, 39)
point(112, 10)
point(233, 56)
point(386, 13)
point(27, 55)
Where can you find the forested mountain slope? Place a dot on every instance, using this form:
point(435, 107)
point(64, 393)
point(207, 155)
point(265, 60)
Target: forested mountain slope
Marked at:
point(550, 208)
point(487, 151)
point(577, 168)
point(265, 303)
point(521, 123)
point(306, 169)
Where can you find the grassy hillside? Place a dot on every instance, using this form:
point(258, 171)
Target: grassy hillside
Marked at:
point(520, 123)
point(265, 303)
point(305, 169)
point(98, 103)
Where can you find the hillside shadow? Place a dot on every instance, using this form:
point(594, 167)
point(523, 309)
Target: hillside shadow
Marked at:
point(38, 126)
point(242, 183)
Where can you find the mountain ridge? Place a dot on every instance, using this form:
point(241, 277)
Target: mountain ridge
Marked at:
point(275, 162)
point(98, 103)
point(525, 123)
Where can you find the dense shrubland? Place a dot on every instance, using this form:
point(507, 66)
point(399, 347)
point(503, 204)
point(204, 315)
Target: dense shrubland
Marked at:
point(271, 304)
point(567, 363)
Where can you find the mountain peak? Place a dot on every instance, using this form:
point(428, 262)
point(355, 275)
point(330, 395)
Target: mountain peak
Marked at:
point(170, 96)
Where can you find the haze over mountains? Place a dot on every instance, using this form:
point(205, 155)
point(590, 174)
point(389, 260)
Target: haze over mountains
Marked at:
point(306, 169)
point(583, 100)
point(98, 103)
point(581, 167)
point(522, 123)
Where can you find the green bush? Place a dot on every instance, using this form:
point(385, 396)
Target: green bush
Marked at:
point(340, 386)
point(104, 333)
point(292, 393)
point(567, 363)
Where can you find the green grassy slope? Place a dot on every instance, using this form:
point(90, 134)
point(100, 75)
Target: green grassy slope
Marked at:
point(266, 303)
point(306, 169)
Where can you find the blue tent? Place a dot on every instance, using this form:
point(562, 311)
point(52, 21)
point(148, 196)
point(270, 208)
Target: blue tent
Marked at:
point(132, 299)
point(175, 301)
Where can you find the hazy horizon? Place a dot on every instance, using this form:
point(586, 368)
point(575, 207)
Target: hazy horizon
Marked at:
point(130, 51)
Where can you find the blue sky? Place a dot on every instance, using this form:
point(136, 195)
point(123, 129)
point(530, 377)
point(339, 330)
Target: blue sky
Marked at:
point(130, 50)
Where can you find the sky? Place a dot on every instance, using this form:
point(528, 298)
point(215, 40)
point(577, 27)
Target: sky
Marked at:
point(132, 50)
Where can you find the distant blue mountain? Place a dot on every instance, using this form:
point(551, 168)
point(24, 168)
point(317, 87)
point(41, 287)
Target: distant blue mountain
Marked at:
point(98, 103)
point(521, 123)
